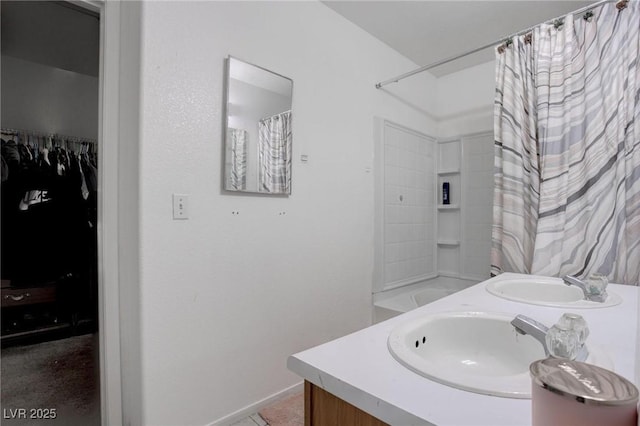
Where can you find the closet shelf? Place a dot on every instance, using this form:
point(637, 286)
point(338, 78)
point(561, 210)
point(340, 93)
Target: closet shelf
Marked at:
point(448, 206)
point(452, 243)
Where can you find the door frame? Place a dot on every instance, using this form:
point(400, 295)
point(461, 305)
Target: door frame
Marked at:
point(114, 233)
point(108, 294)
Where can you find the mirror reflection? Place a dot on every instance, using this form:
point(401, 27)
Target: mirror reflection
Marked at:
point(258, 136)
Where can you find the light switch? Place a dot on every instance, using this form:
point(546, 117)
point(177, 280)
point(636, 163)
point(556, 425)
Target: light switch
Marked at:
point(180, 206)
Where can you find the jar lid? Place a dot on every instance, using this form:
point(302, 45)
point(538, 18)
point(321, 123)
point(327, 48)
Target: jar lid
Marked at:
point(585, 383)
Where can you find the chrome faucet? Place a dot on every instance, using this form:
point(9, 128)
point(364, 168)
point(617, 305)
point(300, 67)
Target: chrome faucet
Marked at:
point(592, 293)
point(557, 337)
point(525, 325)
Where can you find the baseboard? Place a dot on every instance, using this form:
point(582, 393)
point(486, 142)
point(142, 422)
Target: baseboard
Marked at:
point(257, 406)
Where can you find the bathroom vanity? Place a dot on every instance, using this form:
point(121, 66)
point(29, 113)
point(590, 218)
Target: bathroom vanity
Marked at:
point(355, 379)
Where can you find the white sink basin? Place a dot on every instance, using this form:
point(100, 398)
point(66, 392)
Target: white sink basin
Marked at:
point(546, 291)
point(474, 351)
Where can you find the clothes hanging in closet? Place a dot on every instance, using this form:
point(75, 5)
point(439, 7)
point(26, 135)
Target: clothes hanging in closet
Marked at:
point(48, 213)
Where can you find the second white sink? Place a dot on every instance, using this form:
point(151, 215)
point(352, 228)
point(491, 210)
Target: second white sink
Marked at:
point(546, 291)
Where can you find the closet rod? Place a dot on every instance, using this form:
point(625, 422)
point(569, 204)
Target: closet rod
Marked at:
point(486, 46)
point(6, 131)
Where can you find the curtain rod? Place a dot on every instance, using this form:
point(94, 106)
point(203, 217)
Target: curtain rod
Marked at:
point(486, 46)
point(18, 132)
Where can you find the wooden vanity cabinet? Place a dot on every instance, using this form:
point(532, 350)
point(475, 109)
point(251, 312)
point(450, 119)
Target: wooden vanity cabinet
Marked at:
point(321, 408)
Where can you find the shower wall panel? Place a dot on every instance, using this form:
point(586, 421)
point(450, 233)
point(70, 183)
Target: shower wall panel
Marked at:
point(409, 181)
point(477, 193)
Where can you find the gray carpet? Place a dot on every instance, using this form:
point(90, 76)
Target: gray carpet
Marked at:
point(62, 374)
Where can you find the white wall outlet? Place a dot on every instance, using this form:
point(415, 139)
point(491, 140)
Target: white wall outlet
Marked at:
point(180, 206)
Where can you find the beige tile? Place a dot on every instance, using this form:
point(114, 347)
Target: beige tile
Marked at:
point(247, 421)
point(259, 420)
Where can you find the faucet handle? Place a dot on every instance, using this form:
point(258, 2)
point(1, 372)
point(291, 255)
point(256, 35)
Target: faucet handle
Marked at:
point(578, 324)
point(594, 288)
point(567, 338)
point(562, 341)
point(597, 284)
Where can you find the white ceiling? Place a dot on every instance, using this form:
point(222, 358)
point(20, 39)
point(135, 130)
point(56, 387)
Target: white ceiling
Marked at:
point(424, 31)
point(428, 31)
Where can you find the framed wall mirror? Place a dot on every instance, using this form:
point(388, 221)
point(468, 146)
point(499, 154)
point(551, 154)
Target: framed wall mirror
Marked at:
point(258, 137)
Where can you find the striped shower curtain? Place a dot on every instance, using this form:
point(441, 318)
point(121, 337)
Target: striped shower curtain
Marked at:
point(237, 171)
point(274, 148)
point(587, 83)
point(516, 176)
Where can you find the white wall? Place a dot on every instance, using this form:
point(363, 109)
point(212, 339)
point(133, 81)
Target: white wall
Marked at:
point(227, 297)
point(477, 206)
point(44, 99)
point(465, 101)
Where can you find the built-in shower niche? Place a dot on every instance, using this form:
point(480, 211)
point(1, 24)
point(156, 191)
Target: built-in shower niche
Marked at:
point(448, 205)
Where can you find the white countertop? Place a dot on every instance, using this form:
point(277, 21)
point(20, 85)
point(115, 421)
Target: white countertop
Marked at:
point(359, 369)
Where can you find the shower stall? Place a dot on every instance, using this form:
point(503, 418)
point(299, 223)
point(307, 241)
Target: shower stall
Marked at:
point(433, 216)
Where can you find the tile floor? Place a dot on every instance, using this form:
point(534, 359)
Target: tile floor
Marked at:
point(252, 420)
point(288, 411)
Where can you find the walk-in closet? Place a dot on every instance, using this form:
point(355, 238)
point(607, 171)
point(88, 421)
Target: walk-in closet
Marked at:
point(49, 125)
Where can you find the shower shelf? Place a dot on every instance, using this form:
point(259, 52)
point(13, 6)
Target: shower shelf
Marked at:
point(448, 217)
point(448, 172)
point(448, 206)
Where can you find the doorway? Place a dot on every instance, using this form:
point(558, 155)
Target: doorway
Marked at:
point(50, 125)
